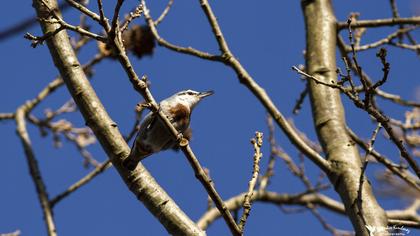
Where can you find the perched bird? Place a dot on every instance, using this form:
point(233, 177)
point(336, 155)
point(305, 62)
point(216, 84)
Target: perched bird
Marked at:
point(153, 135)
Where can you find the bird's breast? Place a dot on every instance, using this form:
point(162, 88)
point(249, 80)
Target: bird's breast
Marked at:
point(180, 116)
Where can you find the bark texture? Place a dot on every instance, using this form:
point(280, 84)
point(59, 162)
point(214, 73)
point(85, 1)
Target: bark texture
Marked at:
point(329, 119)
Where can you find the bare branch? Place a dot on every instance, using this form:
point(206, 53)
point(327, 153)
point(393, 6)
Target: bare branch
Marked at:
point(163, 42)
point(140, 85)
point(133, 15)
point(7, 116)
point(302, 199)
point(380, 23)
point(257, 143)
point(269, 172)
point(300, 100)
point(16, 233)
point(164, 13)
point(327, 226)
point(140, 182)
point(25, 24)
point(394, 168)
point(373, 112)
point(362, 177)
point(98, 170)
point(386, 40)
point(271, 197)
point(244, 78)
point(103, 19)
point(84, 10)
point(34, 168)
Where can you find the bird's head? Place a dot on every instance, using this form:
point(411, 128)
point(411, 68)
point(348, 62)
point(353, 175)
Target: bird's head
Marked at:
point(190, 97)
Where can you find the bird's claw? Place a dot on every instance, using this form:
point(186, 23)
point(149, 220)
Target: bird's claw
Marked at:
point(179, 137)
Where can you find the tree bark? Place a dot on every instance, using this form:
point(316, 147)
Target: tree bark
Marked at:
point(329, 119)
point(140, 182)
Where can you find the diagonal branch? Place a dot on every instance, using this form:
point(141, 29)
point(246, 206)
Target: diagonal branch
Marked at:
point(164, 13)
point(141, 86)
point(257, 143)
point(393, 167)
point(229, 59)
point(140, 182)
point(34, 168)
point(184, 50)
point(99, 169)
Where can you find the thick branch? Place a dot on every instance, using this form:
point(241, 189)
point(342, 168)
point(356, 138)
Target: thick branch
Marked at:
point(328, 114)
point(141, 87)
point(140, 182)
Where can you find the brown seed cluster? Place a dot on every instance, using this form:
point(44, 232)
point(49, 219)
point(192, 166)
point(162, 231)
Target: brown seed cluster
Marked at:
point(138, 39)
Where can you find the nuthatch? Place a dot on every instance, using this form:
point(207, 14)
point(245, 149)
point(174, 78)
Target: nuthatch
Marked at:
point(153, 135)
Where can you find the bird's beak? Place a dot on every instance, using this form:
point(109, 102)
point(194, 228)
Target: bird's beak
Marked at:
point(205, 94)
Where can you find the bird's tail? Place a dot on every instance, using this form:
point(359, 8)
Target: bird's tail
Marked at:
point(130, 163)
point(137, 154)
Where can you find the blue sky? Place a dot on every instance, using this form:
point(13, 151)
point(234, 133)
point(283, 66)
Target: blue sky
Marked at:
point(267, 37)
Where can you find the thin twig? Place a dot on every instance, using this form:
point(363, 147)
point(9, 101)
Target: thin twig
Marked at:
point(209, 200)
point(27, 23)
point(269, 172)
point(103, 19)
point(325, 225)
point(380, 23)
point(99, 169)
point(386, 40)
point(164, 13)
point(7, 116)
point(34, 168)
point(300, 100)
point(257, 143)
point(132, 15)
point(396, 99)
point(115, 21)
point(362, 178)
point(415, 47)
point(84, 10)
point(393, 167)
point(385, 95)
point(163, 42)
point(36, 40)
point(90, 176)
point(15, 233)
point(373, 112)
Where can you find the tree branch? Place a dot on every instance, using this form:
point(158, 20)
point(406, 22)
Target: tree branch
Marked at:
point(257, 143)
point(228, 58)
point(99, 169)
point(380, 23)
point(406, 217)
point(329, 120)
point(140, 182)
point(34, 168)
